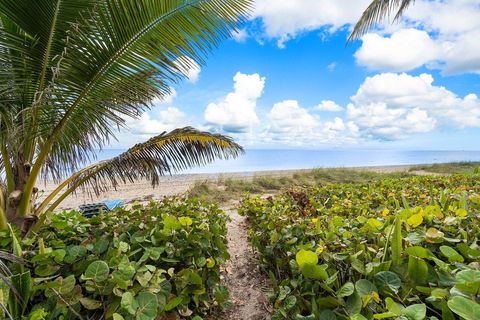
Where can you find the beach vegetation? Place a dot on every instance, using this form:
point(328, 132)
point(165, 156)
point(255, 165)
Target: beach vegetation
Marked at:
point(234, 188)
point(159, 261)
point(398, 248)
point(73, 71)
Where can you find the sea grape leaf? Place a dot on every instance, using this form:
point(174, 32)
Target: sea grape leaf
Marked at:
point(306, 257)
point(365, 288)
point(117, 316)
point(415, 220)
point(387, 282)
point(173, 303)
point(97, 271)
point(90, 304)
point(354, 304)
point(147, 306)
point(415, 311)
point(307, 261)
point(346, 290)
point(417, 270)
point(468, 281)
point(129, 303)
point(185, 221)
point(74, 253)
point(315, 272)
point(434, 234)
point(451, 254)
point(418, 252)
point(328, 315)
point(393, 307)
point(465, 308)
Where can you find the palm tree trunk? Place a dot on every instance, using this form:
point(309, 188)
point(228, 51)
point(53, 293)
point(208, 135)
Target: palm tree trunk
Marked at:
point(21, 173)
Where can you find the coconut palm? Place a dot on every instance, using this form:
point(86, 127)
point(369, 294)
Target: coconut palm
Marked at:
point(72, 72)
point(376, 12)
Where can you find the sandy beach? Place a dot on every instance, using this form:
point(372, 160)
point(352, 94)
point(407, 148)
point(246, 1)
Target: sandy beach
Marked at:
point(142, 190)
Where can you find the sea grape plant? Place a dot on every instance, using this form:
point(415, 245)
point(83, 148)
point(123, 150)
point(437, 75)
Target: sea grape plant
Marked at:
point(400, 248)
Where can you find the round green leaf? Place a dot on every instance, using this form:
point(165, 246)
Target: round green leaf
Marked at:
point(173, 303)
point(415, 312)
point(387, 281)
point(465, 308)
point(147, 306)
point(129, 303)
point(328, 315)
point(346, 290)
point(365, 287)
point(306, 257)
point(97, 271)
point(451, 254)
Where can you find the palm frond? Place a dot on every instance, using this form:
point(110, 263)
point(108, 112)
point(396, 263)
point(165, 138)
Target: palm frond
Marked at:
point(164, 154)
point(119, 56)
point(376, 12)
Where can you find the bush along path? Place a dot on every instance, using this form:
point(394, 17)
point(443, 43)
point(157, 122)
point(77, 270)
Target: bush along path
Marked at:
point(245, 282)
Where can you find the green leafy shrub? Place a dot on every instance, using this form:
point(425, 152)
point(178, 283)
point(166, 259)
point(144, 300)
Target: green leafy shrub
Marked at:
point(398, 248)
point(156, 262)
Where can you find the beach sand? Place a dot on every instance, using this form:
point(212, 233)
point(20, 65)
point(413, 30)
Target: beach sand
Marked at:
point(142, 191)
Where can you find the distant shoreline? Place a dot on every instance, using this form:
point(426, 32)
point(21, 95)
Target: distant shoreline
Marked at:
point(180, 183)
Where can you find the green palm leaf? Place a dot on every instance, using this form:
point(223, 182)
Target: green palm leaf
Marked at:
point(72, 71)
point(164, 154)
point(376, 12)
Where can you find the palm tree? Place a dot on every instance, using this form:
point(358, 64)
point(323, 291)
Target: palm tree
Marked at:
point(376, 12)
point(72, 71)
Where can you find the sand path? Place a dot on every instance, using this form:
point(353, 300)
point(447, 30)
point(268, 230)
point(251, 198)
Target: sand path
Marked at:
point(246, 284)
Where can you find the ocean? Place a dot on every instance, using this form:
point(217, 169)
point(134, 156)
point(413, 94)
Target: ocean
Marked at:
point(263, 160)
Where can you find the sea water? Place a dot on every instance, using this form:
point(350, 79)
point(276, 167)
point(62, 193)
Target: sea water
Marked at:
point(263, 160)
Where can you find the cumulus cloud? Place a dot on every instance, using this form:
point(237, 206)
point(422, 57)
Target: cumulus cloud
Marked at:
point(393, 106)
point(406, 49)
point(444, 38)
point(291, 124)
point(189, 68)
point(285, 19)
point(237, 111)
point(328, 105)
point(166, 120)
point(440, 34)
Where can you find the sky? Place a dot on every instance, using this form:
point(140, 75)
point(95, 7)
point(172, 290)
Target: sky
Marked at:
point(289, 79)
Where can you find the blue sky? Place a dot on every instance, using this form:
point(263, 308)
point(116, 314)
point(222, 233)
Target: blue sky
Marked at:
point(288, 79)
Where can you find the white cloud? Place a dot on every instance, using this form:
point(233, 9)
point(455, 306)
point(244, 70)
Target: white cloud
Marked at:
point(237, 111)
point(288, 117)
point(167, 120)
point(440, 34)
point(377, 121)
point(332, 66)
point(166, 100)
point(393, 106)
point(189, 68)
point(445, 38)
point(240, 35)
point(445, 17)
point(289, 123)
point(285, 19)
point(328, 105)
point(406, 49)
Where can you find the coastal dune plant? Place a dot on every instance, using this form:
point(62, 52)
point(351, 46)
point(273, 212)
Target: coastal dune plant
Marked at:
point(73, 71)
